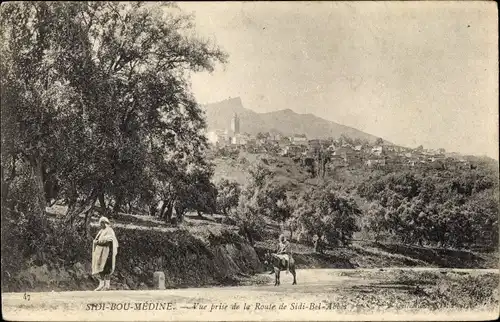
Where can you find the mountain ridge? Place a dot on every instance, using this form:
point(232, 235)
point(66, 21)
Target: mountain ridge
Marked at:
point(286, 121)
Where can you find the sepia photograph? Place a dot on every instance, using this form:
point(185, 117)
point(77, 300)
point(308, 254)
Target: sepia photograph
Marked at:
point(249, 161)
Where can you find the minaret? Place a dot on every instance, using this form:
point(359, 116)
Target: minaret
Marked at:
point(235, 124)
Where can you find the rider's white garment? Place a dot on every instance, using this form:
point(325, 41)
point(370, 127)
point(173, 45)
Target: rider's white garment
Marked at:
point(283, 256)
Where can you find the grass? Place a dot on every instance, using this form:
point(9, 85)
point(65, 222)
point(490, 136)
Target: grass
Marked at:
point(416, 290)
point(453, 290)
point(438, 256)
point(285, 169)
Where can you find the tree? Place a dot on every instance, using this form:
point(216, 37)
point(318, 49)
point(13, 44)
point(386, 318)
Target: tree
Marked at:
point(379, 141)
point(327, 213)
point(260, 198)
point(482, 213)
point(259, 175)
point(228, 194)
point(260, 136)
point(182, 185)
point(96, 98)
point(274, 202)
point(248, 215)
point(196, 193)
point(375, 221)
point(310, 165)
point(445, 208)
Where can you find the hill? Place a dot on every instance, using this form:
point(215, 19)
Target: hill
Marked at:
point(285, 121)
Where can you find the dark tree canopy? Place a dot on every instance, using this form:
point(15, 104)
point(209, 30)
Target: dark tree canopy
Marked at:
point(96, 100)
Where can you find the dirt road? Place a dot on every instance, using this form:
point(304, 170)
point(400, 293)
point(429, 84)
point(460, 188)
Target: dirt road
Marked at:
point(327, 294)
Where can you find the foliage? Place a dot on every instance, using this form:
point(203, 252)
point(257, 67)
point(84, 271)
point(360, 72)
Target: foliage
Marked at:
point(458, 292)
point(248, 215)
point(228, 195)
point(446, 208)
point(324, 212)
point(374, 221)
point(253, 203)
point(345, 139)
point(195, 192)
point(259, 174)
point(30, 240)
point(226, 152)
point(96, 101)
point(263, 136)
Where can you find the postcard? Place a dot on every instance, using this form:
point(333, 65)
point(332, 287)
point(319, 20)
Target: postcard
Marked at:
point(249, 161)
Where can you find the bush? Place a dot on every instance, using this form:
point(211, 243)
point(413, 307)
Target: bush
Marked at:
point(37, 240)
point(248, 216)
point(327, 213)
point(449, 209)
point(466, 293)
point(228, 194)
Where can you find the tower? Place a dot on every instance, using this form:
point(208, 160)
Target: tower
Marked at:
point(235, 124)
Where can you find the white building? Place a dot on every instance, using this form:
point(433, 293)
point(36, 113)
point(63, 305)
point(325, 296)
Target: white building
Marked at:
point(299, 139)
point(239, 139)
point(378, 150)
point(218, 137)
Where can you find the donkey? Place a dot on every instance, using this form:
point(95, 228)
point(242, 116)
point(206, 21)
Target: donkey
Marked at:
point(279, 264)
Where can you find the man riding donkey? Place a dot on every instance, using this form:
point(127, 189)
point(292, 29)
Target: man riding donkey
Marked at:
point(281, 260)
point(284, 252)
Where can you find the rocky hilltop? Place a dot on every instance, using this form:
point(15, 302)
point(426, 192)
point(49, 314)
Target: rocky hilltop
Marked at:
point(285, 121)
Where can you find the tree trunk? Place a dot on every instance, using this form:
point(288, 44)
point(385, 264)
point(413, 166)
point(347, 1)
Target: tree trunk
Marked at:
point(162, 210)
point(74, 210)
point(153, 209)
point(118, 204)
point(167, 216)
point(88, 215)
point(69, 211)
point(102, 201)
point(5, 189)
point(249, 236)
point(200, 214)
point(37, 174)
point(179, 211)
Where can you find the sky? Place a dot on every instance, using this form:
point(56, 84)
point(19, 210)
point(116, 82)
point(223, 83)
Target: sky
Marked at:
point(412, 73)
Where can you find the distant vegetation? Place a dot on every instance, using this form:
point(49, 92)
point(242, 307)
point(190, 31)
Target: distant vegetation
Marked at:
point(444, 208)
point(438, 208)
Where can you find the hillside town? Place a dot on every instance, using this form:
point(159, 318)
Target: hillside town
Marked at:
point(341, 151)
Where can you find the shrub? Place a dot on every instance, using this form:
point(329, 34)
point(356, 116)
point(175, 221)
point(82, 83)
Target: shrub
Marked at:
point(327, 213)
point(248, 216)
point(450, 209)
point(228, 194)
